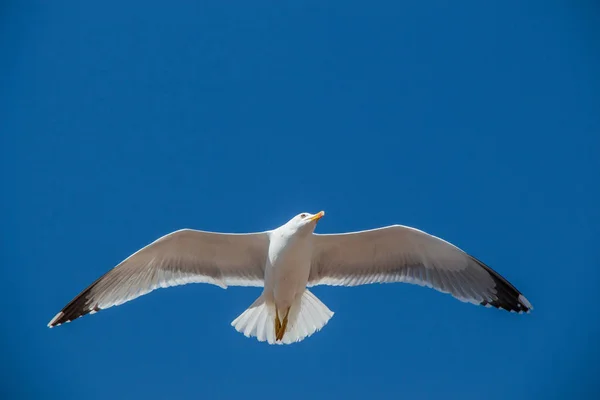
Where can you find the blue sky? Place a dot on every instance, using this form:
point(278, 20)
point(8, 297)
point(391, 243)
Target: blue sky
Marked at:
point(123, 121)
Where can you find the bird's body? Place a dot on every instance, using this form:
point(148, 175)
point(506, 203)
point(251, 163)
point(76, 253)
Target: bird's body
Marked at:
point(287, 270)
point(287, 260)
point(288, 267)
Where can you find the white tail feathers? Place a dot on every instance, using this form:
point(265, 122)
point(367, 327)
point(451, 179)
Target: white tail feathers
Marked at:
point(307, 315)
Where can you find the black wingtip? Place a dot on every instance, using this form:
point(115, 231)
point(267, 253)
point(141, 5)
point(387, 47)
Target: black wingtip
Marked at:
point(75, 309)
point(508, 303)
point(507, 296)
point(78, 307)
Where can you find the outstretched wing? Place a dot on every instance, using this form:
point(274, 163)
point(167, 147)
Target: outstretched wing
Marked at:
point(181, 257)
point(403, 254)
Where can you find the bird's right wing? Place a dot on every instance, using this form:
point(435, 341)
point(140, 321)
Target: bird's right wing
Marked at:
point(403, 254)
point(181, 257)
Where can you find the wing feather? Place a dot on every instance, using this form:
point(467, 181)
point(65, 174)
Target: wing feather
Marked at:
point(402, 254)
point(182, 257)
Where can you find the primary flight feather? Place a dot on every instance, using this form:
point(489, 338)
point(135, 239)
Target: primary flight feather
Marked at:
point(287, 260)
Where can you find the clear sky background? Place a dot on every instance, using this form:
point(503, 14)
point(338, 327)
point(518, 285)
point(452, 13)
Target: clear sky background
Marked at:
point(122, 121)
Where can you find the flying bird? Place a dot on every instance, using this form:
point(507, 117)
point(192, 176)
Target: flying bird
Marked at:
point(287, 260)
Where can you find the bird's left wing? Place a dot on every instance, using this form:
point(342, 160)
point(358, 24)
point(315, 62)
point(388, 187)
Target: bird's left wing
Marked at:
point(403, 254)
point(181, 257)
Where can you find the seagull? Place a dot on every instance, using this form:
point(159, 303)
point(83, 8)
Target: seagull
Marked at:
point(286, 261)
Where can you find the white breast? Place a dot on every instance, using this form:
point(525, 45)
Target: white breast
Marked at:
point(288, 267)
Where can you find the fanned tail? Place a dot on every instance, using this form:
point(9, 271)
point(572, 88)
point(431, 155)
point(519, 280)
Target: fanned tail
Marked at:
point(306, 316)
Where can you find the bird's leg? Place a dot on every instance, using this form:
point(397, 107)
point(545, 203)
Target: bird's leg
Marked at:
point(277, 324)
point(283, 326)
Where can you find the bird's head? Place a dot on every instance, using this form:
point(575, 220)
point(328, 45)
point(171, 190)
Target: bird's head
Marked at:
point(305, 222)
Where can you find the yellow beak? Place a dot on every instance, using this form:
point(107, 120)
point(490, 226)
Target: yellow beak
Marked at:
point(317, 216)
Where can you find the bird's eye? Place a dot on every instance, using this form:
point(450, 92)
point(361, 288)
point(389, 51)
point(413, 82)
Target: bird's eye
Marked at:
point(302, 215)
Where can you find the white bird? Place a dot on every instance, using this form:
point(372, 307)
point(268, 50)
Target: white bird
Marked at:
point(287, 260)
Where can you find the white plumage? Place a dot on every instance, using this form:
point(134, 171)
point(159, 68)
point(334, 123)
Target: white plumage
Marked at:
point(287, 260)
